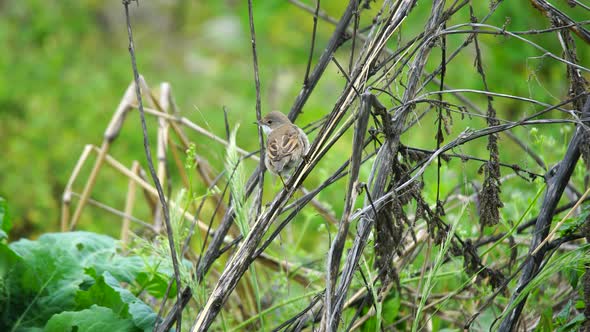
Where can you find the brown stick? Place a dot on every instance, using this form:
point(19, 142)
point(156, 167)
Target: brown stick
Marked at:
point(67, 195)
point(129, 201)
point(90, 183)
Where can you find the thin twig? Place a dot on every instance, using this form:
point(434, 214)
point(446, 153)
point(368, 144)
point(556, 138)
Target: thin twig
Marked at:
point(313, 33)
point(258, 202)
point(153, 174)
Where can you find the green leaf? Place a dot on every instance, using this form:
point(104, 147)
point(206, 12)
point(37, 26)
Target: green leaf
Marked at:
point(107, 292)
point(94, 319)
point(563, 316)
point(142, 315)
point(370, 325)
point(390, 309)
point(573, 276)
point(103, 295)
point(545, 323)
point(571, 225)
point(8, 259)
point(5, 223)
point(155, 283)
point(53, 269)
point(574, 324)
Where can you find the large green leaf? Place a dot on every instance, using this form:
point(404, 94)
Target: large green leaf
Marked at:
point(8, 259)
point(107, 292)
point(143, 316)
point(103, 295)
point(94, 319)
point(52, 270)
point(156, 284)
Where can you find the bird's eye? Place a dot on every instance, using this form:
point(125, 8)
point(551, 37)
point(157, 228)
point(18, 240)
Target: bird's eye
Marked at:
point(269, 121)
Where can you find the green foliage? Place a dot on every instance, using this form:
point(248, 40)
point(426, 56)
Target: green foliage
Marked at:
point(102, 294)
point(573, 260)
point(431, 280)
point(562, 321)
point(95, 319)
point(389, 313)
point(235, 173)
point(571, 225)
point(5, 223)
point(71, 279)
point(65, 71)
point(158, 252)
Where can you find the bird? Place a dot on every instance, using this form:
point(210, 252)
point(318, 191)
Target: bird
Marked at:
point(286, 144)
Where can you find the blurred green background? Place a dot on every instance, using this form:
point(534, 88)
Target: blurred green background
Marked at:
point(65, 67)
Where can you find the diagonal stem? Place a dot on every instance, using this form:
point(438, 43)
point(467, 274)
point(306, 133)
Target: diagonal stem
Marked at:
point(146, 145)
point(558, 178)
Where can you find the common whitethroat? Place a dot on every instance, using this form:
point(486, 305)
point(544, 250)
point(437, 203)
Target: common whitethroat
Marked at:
point(286, 144)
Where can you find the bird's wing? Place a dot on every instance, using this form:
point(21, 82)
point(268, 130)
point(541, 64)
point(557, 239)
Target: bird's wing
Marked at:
point(284, 145)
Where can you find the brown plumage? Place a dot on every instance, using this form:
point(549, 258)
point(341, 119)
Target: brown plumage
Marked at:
point(286, 144)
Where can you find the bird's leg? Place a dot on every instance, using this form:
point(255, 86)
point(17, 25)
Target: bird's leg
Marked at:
point(283, 181)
